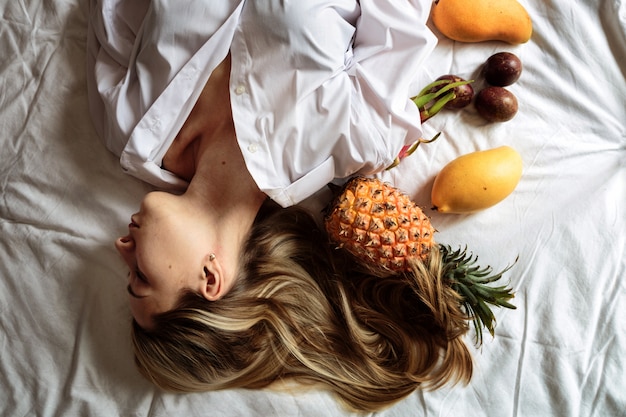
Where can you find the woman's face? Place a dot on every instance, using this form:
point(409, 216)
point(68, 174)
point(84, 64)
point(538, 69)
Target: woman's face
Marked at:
point(164, 250)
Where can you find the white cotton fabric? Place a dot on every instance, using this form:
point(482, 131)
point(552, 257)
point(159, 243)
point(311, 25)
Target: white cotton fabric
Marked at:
point(64, 317)
point(319, 89)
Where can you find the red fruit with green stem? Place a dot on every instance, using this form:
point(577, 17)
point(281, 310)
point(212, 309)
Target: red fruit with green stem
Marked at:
point(447, 91)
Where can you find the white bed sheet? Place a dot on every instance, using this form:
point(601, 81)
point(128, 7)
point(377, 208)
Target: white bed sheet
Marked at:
point(64, 321)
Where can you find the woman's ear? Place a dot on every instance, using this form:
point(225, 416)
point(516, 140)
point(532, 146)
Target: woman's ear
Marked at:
point(214, 286)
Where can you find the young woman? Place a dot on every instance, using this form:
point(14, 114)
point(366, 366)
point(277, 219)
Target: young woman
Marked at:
point(238, 111)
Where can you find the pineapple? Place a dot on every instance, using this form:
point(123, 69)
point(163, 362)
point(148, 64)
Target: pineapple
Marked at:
point(381, 226)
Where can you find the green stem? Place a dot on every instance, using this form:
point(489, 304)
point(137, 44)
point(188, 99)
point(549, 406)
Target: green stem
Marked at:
point(412, 149)
point(426, 96)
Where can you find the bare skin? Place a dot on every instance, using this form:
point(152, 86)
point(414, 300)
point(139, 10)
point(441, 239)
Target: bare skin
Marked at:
point(193, 240)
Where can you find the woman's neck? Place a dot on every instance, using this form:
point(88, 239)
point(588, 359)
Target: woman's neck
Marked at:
point(206, 153)
point(221, 177)
point(224, 189)
point(221, 191)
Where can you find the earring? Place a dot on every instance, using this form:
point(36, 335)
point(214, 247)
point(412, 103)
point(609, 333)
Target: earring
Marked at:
point(212, 257)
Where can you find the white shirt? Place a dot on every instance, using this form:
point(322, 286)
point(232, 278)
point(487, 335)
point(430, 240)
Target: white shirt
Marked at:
point(320, 89)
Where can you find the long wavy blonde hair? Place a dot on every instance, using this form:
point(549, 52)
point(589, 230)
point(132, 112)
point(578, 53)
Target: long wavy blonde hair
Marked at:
point(302, 310)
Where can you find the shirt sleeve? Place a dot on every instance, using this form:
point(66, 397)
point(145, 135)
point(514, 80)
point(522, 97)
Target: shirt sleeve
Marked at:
point(113, 29)
point(321, 89)
point(148, 61)
point(391, 44)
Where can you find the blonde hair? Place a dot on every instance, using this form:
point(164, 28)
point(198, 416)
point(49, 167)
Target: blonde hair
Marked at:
point(302, 310)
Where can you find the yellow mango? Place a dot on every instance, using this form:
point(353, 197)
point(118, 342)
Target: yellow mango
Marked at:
point(476, 180)
point(482, 20)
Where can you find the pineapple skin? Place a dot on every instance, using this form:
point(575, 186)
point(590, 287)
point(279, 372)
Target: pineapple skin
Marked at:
point(379, 224)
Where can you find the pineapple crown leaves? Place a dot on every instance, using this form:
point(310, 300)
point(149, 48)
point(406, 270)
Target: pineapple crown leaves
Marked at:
point(471, 282)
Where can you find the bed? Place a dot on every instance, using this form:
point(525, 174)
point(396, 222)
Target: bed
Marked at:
point(64, 321)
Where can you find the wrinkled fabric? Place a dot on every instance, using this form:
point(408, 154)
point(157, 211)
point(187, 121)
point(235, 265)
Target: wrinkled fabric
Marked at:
point(64, 317)
point(319, 89)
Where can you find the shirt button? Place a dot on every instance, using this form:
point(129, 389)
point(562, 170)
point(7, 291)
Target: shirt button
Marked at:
point(240, 89)
point(253, 148)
